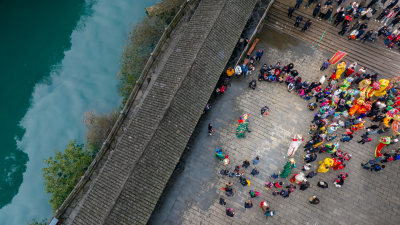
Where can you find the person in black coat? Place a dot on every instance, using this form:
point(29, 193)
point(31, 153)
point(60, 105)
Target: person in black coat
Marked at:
point(339, 19)
point(316, 10)
point(306, 25)
point(367, 35)
point(329, 13)
point(344, 29)
point(290, 12)
point(298, 20)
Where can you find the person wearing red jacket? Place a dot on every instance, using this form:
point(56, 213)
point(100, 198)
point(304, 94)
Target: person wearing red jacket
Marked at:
point(348, 18)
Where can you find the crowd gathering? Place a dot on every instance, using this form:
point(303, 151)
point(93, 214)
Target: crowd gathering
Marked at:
point(349, 99)
point(353, 18)
point(344, 102)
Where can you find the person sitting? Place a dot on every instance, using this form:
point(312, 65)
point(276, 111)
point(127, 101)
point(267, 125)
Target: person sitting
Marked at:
point(311, 174)
point(311, 106)
point(322, 184)
point(248, 204)
point(313, 200)
point(229, 191)
point(304, 185)
point(243, 181)
point(260, 77)
point(246, 164)
point(285, 193)
point(230, 212)
point(278, 184)
point(256, 160)
point(254, 194)
point(310, 157)
point(255, 172)
point(291, 188)
point(253, 84)
point(306, 167)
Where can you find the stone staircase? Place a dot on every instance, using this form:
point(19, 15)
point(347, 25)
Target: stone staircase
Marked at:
point(376, 57)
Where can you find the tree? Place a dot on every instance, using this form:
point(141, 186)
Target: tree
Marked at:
point(141, 43)
point(99, 126)
point(64, 171)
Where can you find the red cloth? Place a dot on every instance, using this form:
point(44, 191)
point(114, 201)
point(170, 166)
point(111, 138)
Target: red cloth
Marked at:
point(349, 71)
point(222, 89)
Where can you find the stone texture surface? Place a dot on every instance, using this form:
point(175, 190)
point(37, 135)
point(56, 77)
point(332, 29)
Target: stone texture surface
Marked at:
point(129, 184)
point(365, 198)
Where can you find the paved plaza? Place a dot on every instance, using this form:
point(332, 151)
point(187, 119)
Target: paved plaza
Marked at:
point(193, 196)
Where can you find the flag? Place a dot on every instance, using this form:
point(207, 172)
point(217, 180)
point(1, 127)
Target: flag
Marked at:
point(337, 57)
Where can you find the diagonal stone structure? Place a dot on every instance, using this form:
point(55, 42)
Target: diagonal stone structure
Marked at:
point(128, 185)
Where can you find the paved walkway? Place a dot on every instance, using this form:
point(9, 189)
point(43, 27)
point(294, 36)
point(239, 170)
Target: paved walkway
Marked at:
point(365, 198)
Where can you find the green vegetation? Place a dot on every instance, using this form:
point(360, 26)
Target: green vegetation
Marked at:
point(98, 129)
point(141, 43)
point(65, 169)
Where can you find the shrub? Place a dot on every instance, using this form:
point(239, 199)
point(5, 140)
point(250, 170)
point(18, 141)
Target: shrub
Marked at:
point(64, 171)
point(141, 43)
point(99, 126)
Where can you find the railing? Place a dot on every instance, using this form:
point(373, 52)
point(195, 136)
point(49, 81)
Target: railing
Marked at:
point(255, 32)
point(139, 83)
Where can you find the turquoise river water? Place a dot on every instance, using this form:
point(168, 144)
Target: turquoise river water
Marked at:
point(59, 59)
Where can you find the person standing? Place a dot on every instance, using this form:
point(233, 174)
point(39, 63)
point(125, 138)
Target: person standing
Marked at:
point(377, 7)
point(264, 110)
point(316, 10)
point(309, 3)
point(371, 3)
point(210, 129)
point(298, 20)
point(244, 70)
point(329, 13)
point(339, 2)
point(392, 4)
point(339, 18)
point(383, 14)
point(259, 54)
point(360, 33)
point(344, 29)
point(290, 12)
point(306, 25)
point(367, 36)
point(323, 12)
point(388, 17)
point(395, 21)
point(324, 66)
point(298, 3)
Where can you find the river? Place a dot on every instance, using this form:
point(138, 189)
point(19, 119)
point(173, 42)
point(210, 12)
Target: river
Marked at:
point(59, 59)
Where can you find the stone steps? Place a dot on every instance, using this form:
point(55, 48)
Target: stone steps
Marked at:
point(383, 62)
point(284, 5)
point(332, 45)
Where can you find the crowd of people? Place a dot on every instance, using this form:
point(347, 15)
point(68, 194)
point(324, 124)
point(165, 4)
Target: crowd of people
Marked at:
point(342, 102)
point(354, 18)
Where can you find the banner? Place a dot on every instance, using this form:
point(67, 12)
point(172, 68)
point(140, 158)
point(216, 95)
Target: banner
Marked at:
point(337, 57)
